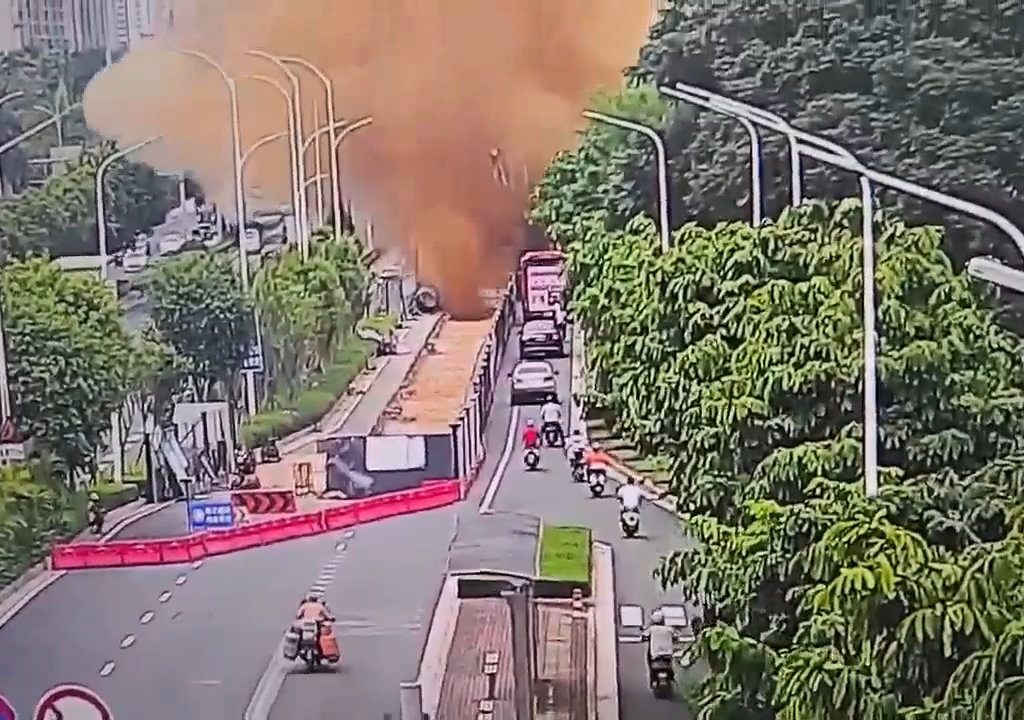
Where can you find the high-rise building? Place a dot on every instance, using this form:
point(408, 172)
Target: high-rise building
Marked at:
point(78, 25)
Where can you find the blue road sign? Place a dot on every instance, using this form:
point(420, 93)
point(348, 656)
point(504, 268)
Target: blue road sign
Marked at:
point(211, 515)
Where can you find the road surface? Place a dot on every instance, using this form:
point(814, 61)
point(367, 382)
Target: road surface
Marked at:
point(197, 642)
point(550, 494)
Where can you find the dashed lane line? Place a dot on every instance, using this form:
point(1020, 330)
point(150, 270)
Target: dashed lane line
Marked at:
point(165, 596)
point(127, 642)
point(107, 669)
point(147, 617)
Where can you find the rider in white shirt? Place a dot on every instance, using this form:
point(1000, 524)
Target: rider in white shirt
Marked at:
point(551, 414)
point(630, 495)
point(574, 447)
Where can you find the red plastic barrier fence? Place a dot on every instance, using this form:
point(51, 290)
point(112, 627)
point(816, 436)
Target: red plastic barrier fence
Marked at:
point(170, 551)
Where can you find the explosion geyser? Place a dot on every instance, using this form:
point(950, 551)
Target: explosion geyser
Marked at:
point(445, 81)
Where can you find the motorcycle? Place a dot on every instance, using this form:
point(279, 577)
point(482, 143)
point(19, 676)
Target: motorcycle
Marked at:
point(97, 516)
point(629, 520)
point(578, 472)
point(270, 453)
point(553, 435)
point(313, 642)
point(596, 479)
point(663, 677)
point(531, 458)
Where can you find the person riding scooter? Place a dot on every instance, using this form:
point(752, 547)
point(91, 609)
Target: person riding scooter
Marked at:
point(531, 444)
point(630, 496)
point(596, 460)
point(551, 422)
point(96, 513)
point(314, 608)
point(660, 647)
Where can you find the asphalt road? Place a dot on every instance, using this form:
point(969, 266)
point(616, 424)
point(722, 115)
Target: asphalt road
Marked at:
point(551, 494)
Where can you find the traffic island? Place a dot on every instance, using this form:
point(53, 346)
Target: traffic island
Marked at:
point(564, 562)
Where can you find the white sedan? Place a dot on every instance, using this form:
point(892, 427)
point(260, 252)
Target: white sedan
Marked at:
point(533, 382)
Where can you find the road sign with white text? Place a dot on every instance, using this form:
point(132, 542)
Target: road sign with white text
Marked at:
point(211, 515)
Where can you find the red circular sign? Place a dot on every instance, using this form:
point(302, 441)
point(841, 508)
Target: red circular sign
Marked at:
point(7, 710)
point(72, 702)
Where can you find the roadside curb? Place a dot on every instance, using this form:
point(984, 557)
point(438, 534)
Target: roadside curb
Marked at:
point(25, 588)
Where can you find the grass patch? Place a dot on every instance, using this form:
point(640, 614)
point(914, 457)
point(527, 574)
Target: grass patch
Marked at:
point(284, 416)
point(564, 554)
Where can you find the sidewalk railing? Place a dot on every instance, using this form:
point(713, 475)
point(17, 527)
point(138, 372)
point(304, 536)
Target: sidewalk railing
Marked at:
point(169, 551)
point(468, 432)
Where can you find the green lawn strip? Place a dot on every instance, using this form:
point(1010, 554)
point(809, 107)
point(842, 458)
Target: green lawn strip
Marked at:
point(284, 416)
point(564, 554)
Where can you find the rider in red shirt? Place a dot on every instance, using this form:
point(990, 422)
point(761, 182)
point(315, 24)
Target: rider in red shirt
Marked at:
point(531, 435)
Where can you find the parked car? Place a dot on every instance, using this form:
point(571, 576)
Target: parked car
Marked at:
point(533, 382)
point(134, 261)
point(540, 338)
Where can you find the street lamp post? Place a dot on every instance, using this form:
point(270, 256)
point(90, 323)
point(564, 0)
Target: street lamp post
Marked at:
point(101, 200)
point(296, 102)
point(332, 121)
point(35, 129)
point(293, 147)
point(659, 147)
point(318, 171)
point(869, 312)
point(336, 145)
point(236, 146)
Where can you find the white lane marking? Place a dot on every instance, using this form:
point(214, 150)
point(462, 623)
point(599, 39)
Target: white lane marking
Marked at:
point(339, 548)
point(147, 617)
point(165, 596)
point(181, 580)
point(267, 688)
point(107, 668)
point(197, 564)
point(349, 534)
point(631, 639)
point(132, 519)
point(631, 616)
point(128, 641)
point(499, 472)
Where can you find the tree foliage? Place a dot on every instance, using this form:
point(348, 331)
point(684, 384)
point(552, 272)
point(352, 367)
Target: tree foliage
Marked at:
point(933, 91)
point(59, 217)
point(200, 311)
point(67, 357)
point(307, 308)
point(738, 352)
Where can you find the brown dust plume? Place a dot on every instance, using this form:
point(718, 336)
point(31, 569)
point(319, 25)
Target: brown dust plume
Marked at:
point(445, 81)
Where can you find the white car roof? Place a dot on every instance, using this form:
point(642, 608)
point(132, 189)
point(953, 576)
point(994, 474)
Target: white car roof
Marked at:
point(533, 366)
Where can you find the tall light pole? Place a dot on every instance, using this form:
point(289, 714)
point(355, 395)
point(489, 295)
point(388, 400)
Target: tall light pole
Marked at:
point(36, 129)
point(662, 158)
point(299, 130)
point(101, 200)
point(236, 146)
point(756, 201)
point(264, 141)
point(116, 441)
point(336, 146)
point(332, 121)
point(293, 146)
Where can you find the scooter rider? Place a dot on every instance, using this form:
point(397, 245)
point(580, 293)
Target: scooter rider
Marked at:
point(551, 416)
point(574, 448)
point(96, 513)
point(531, 436)
point(660, 643)
point(630, 495)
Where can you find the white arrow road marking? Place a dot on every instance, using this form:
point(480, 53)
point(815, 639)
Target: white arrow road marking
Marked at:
point(128, 641)
point(107, 668)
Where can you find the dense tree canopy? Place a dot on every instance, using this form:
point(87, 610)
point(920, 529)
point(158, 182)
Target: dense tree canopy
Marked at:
point(68, 357)
point(932, 90)
point(308, 307)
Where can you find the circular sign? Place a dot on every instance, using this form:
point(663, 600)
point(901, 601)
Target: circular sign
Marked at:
point(198, 515)
point(7, 710)
point(72, 702)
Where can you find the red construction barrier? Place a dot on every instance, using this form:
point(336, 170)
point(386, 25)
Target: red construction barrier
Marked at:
point(263, 502)
point(169, 551)
point(143, 553)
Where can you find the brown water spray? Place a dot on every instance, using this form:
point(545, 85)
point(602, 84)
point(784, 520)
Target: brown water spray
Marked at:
point(446, 82)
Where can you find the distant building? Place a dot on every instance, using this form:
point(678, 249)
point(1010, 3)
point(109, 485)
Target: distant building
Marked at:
point(80, 25)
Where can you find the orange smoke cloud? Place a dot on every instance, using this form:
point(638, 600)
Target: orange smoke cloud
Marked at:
point(445, 81)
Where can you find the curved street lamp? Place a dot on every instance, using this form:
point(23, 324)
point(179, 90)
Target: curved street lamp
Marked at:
point(332, 124)
point(293, 150)
point(659, 147)
point(296, 103)
point(236, 143)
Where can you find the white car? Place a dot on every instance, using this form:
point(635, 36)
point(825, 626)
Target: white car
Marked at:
point(134, 261)
point(533, 382)
point(171, 244)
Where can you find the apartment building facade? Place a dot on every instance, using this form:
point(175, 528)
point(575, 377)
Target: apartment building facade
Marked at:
point(79, 25)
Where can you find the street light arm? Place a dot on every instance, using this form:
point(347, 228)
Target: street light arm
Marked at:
point(317, 178)
point(35, 129)
point(659, 148)
point(209, 61)
point(322, 131)
point(260, 143)
point(271, 81)
point(12, 96)
point(351, 128)
point(974, 210)
point(110, 159)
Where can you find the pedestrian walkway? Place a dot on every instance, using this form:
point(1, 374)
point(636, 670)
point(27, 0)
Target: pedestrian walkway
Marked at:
point(563, 663)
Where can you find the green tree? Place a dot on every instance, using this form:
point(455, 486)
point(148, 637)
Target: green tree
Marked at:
point(201, 312)
point(67, 357)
